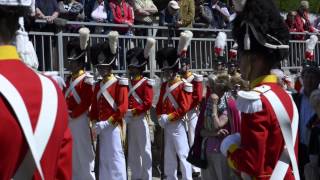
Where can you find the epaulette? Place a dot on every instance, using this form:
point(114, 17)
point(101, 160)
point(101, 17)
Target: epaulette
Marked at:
point(123, 81)
point(151, 82)
point(198, 77)
point(89, 79)
point(250, 101)
point(188, 87)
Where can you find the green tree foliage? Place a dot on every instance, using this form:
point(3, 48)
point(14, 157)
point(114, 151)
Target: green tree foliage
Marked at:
point(289, 5)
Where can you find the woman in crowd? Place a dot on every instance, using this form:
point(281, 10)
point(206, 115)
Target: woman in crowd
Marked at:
point(216, 126)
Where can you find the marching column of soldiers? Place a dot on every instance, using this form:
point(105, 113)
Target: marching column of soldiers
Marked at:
point(80, 132)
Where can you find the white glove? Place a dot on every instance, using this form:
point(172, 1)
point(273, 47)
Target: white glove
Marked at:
point(163, 120)
point(99, 126)
point(228, 141)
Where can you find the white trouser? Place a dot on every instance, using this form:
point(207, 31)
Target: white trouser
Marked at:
point(192, 119)
point(82, 151)
point(139, 150)
point(176, 143)
point(217, 168)
point(112, 163)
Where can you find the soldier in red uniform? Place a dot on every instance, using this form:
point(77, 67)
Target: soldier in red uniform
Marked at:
point(110, 102)
point(269, 117)
point(174, 102)
point(78, 93)
point(140, 101)
point(35, 139)
point(196, 80)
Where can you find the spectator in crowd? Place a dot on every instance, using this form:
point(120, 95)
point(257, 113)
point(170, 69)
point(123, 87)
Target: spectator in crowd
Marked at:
point(170, 17)
point(291, 23)
point(143, 14)
point(100, 13)
point(47, 10)
point(187, 12)
point(310, 81)
point(73, 11)
point(122, 14)
point(95, 5)
point(220, 13)
point(312, 169)
point(203, 17)
point(316, 23)
point(215, 128)
point(302, 20)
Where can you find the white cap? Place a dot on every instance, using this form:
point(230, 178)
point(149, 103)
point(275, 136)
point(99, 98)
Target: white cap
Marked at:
point(174, 5)
point(16, 2)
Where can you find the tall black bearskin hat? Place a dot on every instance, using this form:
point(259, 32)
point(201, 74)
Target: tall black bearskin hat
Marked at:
point(105, 53)
point(77, 48)
point(138, 57)
point(260, 28)
point(167, 58)
point(171, 58)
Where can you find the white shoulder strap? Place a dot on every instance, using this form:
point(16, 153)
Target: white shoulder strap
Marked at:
point(44, 128)
point(132, 90)
point(45, 124)
point(169, 95)
point(103, 90)
point(72, 89)
point(289, 131)
point(190, 78)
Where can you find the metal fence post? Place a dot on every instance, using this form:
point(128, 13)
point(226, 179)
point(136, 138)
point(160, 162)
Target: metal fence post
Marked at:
point(60, 54)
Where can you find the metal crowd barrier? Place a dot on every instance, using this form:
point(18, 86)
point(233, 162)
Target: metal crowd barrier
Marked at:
point(51, 49)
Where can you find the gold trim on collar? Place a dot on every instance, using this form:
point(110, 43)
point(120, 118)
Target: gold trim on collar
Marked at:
point(107, 78)
point(264, 79)
point(187, 74)
point(8, 52)
point(77, 74)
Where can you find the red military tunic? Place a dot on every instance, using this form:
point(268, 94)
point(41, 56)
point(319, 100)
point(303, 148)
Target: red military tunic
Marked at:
point(56, 161)
point(101, 110)
point(261, 139)
point(196, 81)
point(85, 91)
point(144, 92)
point(181, 94)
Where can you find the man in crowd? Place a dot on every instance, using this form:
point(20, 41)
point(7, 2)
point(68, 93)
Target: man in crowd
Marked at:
point(78, 93)
point(140, 101)
point(220, 14)
point(170, 17)
point(143, 14)
point(310, 80)
point(35, 137)
point(187, 12)
point(269, 117)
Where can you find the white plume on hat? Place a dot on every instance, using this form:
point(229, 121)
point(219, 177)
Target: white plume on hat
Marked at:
point(148, 47)
point(311, 43)
point(84, 37)
point(113, 37)
point(25, 48)
point(239, 5)
point(184, 41)
point(221, 41)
